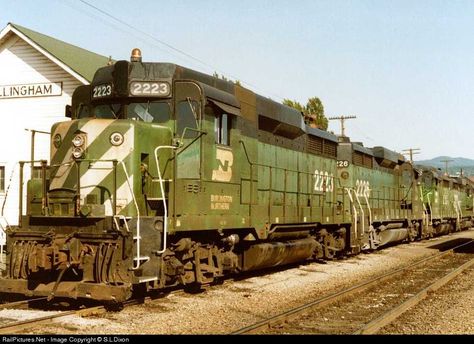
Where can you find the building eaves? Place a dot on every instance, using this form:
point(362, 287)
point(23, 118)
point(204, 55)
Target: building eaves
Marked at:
point(81, 61)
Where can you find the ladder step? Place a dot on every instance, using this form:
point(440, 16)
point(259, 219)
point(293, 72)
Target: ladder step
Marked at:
point(155, 199)
point(144, 279)
point(142, 258)
point(137, 237)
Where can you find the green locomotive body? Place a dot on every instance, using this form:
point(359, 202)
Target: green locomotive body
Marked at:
point(166, 176)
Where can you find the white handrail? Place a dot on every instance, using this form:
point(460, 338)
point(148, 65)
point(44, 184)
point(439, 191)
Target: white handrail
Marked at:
point(135, 267)
point(3, 235)
point(348, 190)
point(8, 188)
point(368, 206)
point(431, 211)
point(162, 188)
point(425, 212)
point(456, 209)
point(361, 211)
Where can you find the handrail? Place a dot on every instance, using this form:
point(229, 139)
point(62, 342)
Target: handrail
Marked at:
point(165, 208)
point(354, 209)
point(460, 208)
point(361, 211)
point(425, 212)
point(8, 189)
point(431, 211)
point(368, 206)
point(135, 267)
point(3, 234)
point(457, 210)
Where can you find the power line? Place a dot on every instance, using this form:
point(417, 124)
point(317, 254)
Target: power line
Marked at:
point(144, 33)
point(411, 152)
point(342, 119)
point(167, 44)
point(446, 162)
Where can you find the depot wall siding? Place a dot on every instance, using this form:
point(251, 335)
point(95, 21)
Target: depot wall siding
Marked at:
point(20, 63)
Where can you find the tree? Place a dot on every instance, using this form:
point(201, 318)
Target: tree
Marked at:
point(223, 77)
point(294, 104)
point(313, 112)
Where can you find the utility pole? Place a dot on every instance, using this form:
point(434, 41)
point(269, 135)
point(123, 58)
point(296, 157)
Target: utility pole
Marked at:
point(342, 119)
point(411, 152)
point(446, 162)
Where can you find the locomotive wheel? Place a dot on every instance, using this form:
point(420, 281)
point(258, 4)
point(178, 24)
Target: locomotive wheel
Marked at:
point(329, 243)
point(412, 232)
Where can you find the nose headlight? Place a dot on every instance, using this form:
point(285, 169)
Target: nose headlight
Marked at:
point(57, 140)
point(116, 139)
point(78, 141)
point(77, 152)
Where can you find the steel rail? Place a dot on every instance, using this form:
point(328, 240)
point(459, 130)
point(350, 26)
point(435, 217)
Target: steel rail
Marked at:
point(294, 312)
point(385, 319)
point(14, 327)
point(21, 304)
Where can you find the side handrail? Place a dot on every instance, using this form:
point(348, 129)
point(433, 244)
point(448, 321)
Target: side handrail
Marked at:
point(137, 262)
point(162, 189)
point(8, 188)
point(354, 209)
point(361, 211)
point(431, 211)
point(3, 229)
point(425, 211)
point(456, 209)
point(368, 205)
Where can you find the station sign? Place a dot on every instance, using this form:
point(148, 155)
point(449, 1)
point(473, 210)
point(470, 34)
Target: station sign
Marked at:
point(31, 90)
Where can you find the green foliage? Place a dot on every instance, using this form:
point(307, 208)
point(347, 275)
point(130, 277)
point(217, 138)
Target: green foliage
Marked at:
point(223, 77)
point(313, 112)
point(294, 105)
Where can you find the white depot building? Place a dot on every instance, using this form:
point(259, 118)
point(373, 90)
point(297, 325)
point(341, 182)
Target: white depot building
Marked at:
point(38, 75)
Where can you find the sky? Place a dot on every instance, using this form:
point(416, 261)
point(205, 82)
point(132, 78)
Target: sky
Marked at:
point(404, 68)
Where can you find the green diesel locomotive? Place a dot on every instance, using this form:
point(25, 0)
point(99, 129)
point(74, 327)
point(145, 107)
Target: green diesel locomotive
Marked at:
point(166, 176)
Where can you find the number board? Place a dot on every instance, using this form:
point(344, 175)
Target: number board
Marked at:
point(101, 91)
point(150, 89)
point(342, 163)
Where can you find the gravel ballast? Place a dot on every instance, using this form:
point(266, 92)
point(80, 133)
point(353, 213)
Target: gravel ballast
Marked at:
point(228, 307)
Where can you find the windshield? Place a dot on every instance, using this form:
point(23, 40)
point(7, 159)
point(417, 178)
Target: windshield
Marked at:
point(149, 112)
point(108, 111)
point(156, 112)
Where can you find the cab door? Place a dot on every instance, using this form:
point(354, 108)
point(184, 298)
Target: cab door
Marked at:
point(188, 103)
point(188, 190)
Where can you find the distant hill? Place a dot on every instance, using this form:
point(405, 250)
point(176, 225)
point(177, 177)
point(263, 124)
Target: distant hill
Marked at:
point(454, 166)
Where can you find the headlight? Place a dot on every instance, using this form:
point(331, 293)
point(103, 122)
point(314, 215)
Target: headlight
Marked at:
point(77, 152)
point(78, 141)
point(57, 140)
point(116, 139)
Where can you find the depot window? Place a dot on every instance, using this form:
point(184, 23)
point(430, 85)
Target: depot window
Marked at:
point(2, 178)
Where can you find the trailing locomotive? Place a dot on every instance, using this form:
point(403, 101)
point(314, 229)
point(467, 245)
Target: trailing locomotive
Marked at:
point(166, 176)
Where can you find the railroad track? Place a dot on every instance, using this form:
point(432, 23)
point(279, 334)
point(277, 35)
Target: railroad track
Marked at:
point(22, 304)
point(17, 326)
point(370, 305)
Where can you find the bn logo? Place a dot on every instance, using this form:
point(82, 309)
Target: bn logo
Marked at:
point(225, 159)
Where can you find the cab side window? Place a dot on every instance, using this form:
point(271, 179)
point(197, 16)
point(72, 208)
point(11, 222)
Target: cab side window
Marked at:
point(187, 113)
point(222, 126)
